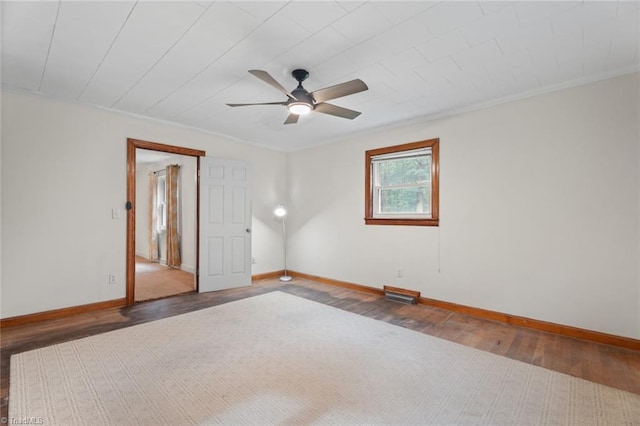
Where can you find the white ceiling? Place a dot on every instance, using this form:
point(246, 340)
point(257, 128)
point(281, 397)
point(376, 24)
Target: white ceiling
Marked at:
point(182, 61)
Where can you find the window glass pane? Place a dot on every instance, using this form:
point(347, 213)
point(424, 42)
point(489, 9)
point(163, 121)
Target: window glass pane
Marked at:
point(405, 200)
point(161, 202)
point(404, 171)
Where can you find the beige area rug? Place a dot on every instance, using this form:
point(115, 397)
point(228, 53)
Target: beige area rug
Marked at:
point(281, 359)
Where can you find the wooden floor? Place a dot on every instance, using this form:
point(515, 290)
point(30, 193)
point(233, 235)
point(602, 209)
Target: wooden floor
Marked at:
point(155, 281)
point(608, 365)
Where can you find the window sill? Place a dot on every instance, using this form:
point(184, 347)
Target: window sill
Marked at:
point(405, 222)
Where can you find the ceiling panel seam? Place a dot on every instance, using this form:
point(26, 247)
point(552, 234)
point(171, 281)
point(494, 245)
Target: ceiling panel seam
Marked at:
point(162, 56)
point(53, 32)
point(372, 37)
point(209, 65)
point(113, 42)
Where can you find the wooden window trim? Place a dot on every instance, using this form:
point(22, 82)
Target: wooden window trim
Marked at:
point(434, 144)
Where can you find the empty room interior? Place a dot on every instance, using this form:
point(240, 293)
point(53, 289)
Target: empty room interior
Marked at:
point(320, 212)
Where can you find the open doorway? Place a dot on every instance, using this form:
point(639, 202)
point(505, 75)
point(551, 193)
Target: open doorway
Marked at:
point(153, 238)
point(165, 244)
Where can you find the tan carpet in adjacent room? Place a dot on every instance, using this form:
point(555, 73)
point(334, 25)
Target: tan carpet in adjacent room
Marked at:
point(278, 358)
point(155, 281)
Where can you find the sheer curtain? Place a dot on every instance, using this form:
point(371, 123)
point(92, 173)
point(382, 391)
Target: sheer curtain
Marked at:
point(173, 234)
point(154, 254)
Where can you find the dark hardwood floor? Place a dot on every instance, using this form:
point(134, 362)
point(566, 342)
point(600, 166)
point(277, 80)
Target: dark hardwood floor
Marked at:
point(608, 365)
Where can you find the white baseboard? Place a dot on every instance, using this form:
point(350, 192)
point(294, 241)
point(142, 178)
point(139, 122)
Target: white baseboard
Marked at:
point(188, 268)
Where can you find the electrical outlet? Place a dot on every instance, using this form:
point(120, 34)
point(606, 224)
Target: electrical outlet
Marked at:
point(253, 261)
point(399, 273)
point(113, 279)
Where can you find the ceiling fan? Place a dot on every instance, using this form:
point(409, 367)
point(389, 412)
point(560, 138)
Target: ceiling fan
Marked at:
point(300, 101)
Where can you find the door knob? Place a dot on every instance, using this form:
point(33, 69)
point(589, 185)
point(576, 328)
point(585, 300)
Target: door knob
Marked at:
point(248, 230)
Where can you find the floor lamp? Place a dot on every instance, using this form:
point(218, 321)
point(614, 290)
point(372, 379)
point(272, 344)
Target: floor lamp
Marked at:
point(281, 212)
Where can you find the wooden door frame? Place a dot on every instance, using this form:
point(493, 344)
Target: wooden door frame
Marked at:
point(132, 145)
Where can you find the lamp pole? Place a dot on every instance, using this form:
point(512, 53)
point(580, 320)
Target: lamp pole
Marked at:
point(281, 212)
point(285, 277)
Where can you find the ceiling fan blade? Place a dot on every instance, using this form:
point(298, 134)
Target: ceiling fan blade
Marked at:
point(291, 119)
point(339, 90)
point(331, 109)
point(263, 103)
point(266, 77)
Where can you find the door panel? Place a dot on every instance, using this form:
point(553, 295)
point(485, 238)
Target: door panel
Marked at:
point(225, 227)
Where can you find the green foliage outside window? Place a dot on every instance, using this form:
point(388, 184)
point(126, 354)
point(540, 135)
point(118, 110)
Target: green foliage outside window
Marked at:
point(405, 200)
point(405, 184)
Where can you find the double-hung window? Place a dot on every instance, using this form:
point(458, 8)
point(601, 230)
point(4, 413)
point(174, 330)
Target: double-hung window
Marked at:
point(161, 202)
point(402, 184)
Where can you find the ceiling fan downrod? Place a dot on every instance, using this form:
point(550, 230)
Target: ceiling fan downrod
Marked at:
point(300, 75)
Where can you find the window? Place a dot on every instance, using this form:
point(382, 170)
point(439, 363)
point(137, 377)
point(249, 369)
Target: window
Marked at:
point(401, 184)
point(161, 202)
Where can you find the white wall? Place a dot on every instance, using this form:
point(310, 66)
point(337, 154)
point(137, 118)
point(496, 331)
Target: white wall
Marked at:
point(142, 210)
point(188, 183)
point(64, 169)
point(539, 205)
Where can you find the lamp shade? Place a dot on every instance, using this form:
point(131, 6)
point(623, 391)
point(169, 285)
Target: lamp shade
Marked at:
point(280, 211)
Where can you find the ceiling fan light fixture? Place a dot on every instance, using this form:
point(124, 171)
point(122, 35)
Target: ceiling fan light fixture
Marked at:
point(299, 108)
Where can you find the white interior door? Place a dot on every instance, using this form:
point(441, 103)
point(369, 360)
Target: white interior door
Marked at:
point(225, 224)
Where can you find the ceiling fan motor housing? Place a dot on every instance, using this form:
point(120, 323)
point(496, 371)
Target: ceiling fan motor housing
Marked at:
point(303, 96)
point(300, 93)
